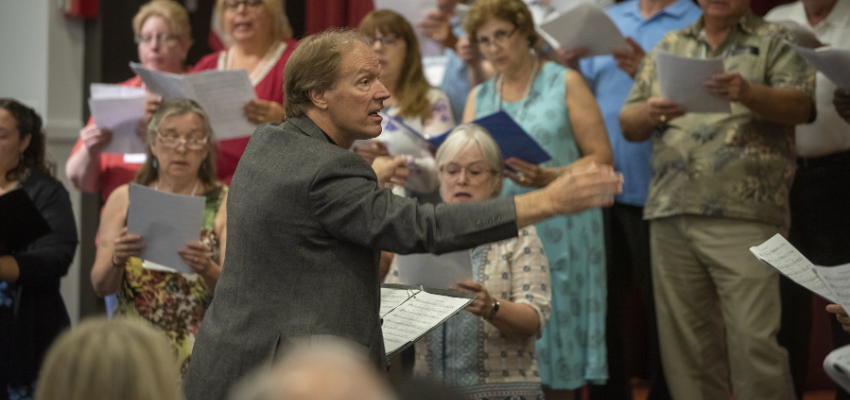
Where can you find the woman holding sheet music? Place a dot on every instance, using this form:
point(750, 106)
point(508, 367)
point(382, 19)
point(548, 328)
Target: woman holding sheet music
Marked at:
point(262, 41)
point(556, 108)
point(181, 161)
point(32, 312)
point(164, 36)
point(510, 279)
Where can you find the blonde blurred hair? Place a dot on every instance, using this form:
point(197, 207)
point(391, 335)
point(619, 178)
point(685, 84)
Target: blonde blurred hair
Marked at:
point(469, 135)
point(104, 359)
point(172, 12)
point(281, 29)
point(513, 11)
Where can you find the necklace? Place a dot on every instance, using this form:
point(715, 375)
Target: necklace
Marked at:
point(524, 96)
point(194, 190)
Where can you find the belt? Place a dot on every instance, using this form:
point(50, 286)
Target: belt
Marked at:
point(834, 159)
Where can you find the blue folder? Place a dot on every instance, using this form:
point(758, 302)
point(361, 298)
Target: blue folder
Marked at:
point(513, 141)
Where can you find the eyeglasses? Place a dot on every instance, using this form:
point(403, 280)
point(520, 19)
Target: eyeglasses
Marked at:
point(174, 142)
point(499, 38)
point(475, 173)
point(388, 40)
point(165, 39)
point(234, 4)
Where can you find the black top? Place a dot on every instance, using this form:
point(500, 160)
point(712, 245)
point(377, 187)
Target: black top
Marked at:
point(32, 312)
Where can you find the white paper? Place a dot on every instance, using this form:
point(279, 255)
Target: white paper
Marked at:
point(562, 6)
point(121, 116)
point(414, 11)
point(416, 317)
point(804, 36)
point(435, 69)
point(433, 271)
point(783, 256)
point(461, 12)
point(400, 138)
point(838, 280)
point(166, 222)
point(682, 81)
point(837, 366)
point(584, 26)
point(112, 91)
point(832, 62)
point(222, 95)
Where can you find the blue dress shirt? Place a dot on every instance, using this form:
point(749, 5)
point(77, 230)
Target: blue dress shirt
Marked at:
point(611, 85)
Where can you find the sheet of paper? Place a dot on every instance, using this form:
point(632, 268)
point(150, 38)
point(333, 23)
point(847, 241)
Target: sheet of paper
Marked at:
point(112, 91)
point(165, 84)
point(400, 138)
point(513, 141)
point(391, 298)
point(783, 256)
point(804, 36)
point(832, 62)
point(461, 12)
point(584, 26)
point(416, 317)
point(121, 116)
point(166, 222)
point(223, 95)
point(435, 69)
point(837, 366)
point(838, 280)
point(682, 81)
point(435, 271)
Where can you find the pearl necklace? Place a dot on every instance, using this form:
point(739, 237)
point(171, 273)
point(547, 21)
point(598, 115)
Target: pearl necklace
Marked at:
point(194, 190)
point(500, 81)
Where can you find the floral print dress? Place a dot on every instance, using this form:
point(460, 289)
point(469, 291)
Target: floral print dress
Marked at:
point(173, 302)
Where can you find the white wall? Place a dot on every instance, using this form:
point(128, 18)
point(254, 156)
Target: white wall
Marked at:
point(42, 65)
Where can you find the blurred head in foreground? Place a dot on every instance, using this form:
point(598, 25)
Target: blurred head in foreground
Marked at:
point(328, 371)
point(110, 359)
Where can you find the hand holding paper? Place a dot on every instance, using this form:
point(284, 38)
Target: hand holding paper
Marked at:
point(116, 109)
point(682, 82)
point(584, 25)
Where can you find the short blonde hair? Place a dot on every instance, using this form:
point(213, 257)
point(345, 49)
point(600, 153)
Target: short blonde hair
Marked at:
point(465, 136)
point(104, 359)
point(281, 29)
point(513, 11)
point(316, 64)
point(172, 12)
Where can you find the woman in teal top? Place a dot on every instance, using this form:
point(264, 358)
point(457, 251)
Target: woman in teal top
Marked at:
point(540, 96)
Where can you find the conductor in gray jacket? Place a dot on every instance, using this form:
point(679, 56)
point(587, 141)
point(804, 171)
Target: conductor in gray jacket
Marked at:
point(307, 220)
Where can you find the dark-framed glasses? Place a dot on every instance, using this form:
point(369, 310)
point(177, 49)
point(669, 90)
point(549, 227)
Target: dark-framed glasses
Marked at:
point(165, 39)
point(171, 140)
point(499, 38)
point(387, 40)
point(234, 4)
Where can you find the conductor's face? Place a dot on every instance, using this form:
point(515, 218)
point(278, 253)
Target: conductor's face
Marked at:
point(353, 103)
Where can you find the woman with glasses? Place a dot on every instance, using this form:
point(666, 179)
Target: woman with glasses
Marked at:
point(32, 313)
point(555, 107)
point(164, 36)
point(412, 99)
point(260, 39)
point(180, 160)
point(488, 352)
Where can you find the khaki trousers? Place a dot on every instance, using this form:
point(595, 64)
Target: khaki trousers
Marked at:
point(718, 310)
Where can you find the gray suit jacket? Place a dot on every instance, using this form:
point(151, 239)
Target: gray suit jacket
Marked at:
point(305, 223)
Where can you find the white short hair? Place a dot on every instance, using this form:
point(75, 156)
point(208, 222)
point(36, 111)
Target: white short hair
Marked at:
point(469, 134)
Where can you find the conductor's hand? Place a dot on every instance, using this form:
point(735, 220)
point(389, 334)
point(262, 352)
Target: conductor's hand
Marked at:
point(841, 315)
point(482, 306)
point(583, 188)
point(370, 151)
point(390, 169)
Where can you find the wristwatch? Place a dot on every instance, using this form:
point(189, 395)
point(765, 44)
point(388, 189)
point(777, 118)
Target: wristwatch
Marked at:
point(493, 309)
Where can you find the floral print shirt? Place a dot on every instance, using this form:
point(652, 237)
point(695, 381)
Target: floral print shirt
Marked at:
point(173, 302)
point(736, 165)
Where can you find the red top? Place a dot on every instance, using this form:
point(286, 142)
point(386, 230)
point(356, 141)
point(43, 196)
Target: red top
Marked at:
point(269, 88)
point(114, 171)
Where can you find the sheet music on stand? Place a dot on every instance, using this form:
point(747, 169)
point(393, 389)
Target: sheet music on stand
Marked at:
point(837, 366)
point(409, 312)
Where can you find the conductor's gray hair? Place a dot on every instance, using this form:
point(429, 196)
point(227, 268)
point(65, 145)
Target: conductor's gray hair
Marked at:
point(465, 136)
point(315, 65)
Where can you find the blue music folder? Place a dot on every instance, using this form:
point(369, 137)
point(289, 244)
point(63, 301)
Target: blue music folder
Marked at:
point(513, 141)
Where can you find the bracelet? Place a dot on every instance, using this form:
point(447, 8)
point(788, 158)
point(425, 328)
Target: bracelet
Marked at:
point(493, 310)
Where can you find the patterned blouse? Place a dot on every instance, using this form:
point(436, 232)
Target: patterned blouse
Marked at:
point(473, 356)
point(173, 302)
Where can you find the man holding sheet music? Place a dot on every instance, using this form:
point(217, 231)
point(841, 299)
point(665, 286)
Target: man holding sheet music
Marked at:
point(307, 220)
point(720, 185)
point(818, 199)
point(644, 23)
